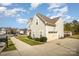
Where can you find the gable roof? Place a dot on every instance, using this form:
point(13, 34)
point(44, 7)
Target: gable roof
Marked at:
point(48, 21)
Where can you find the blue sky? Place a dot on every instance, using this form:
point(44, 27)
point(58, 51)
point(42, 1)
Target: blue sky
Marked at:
point(16, 15)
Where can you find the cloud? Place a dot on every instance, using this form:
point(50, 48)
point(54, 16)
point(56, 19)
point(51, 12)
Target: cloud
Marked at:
point(53, 17)
point(12, 12)
point(55, 5)
point(34, 5)
point(58, 10)
point(61, 11)
point(5, 4)
point(78, 20)
point(67, 17)
point(22, 21)
point(2, 9)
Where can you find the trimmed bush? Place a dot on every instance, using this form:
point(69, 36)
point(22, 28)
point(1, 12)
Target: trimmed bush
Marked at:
point(43, 39)
point(37, 39)
point(29, 37)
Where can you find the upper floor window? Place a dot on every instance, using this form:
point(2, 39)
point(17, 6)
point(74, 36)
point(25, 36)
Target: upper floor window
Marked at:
point(37, 22)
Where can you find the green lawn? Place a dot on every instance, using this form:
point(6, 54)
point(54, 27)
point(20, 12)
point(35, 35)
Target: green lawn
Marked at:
point(10, 46)
point(75, 36)
point(27, 40)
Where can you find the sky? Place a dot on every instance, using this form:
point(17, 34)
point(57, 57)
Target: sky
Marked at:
point(16, 15)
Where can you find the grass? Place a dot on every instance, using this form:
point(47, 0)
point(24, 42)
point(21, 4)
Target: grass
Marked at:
point(75, 36)
point(27, 40)
point(10, 46)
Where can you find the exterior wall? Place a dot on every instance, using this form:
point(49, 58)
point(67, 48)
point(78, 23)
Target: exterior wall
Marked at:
point(53, 35)
point(60, 28)
point(37, 30)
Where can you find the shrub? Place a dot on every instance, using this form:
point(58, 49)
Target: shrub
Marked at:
point(29, 37)
point(43, 39)
point(37, 39)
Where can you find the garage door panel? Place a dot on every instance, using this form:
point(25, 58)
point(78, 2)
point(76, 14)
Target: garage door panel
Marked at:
point(52, 36)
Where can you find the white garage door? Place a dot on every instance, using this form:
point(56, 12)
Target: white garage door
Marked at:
point(52, 36)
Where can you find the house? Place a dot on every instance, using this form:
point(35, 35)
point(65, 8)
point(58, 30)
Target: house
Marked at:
point(21, 31)
point(2, 31)
point(42, 26)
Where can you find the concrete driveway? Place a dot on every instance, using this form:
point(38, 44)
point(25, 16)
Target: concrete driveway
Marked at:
point(60, 47)
point(63, 47)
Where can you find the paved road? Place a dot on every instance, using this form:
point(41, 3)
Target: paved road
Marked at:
point(61, 47)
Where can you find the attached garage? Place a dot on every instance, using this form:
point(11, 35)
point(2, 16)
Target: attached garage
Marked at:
point(52, 36)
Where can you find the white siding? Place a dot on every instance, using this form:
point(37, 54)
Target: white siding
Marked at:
point(60, 28)
point(49, 28)
point(37, 29)
point(51, 36)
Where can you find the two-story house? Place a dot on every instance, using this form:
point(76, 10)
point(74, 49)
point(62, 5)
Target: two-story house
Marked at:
point(42, 26)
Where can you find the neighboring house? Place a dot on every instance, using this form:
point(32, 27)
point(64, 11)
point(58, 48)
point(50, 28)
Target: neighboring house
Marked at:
point(42, 26)
point(21, 31)
point(2, 31)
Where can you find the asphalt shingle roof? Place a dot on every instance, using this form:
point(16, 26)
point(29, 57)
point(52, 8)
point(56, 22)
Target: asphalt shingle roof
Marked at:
point(47, 20)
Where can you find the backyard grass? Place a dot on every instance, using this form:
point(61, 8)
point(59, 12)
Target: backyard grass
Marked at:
point(10, 46)
point(75, 36)
point(27, 40)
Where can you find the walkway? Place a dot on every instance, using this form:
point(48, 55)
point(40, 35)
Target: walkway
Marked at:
point(23, 48)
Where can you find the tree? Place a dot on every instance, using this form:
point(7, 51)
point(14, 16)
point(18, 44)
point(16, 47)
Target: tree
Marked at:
point(75, 22)
point(73, 27)
point(67, 27)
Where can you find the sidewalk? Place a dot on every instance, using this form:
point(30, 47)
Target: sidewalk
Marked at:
point(23, 48)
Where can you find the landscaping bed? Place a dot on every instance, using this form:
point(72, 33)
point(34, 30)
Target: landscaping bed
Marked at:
point(28, 40)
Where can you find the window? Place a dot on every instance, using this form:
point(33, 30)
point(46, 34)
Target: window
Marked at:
point(52, 32)
point(40, 34)
point(37, 22)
